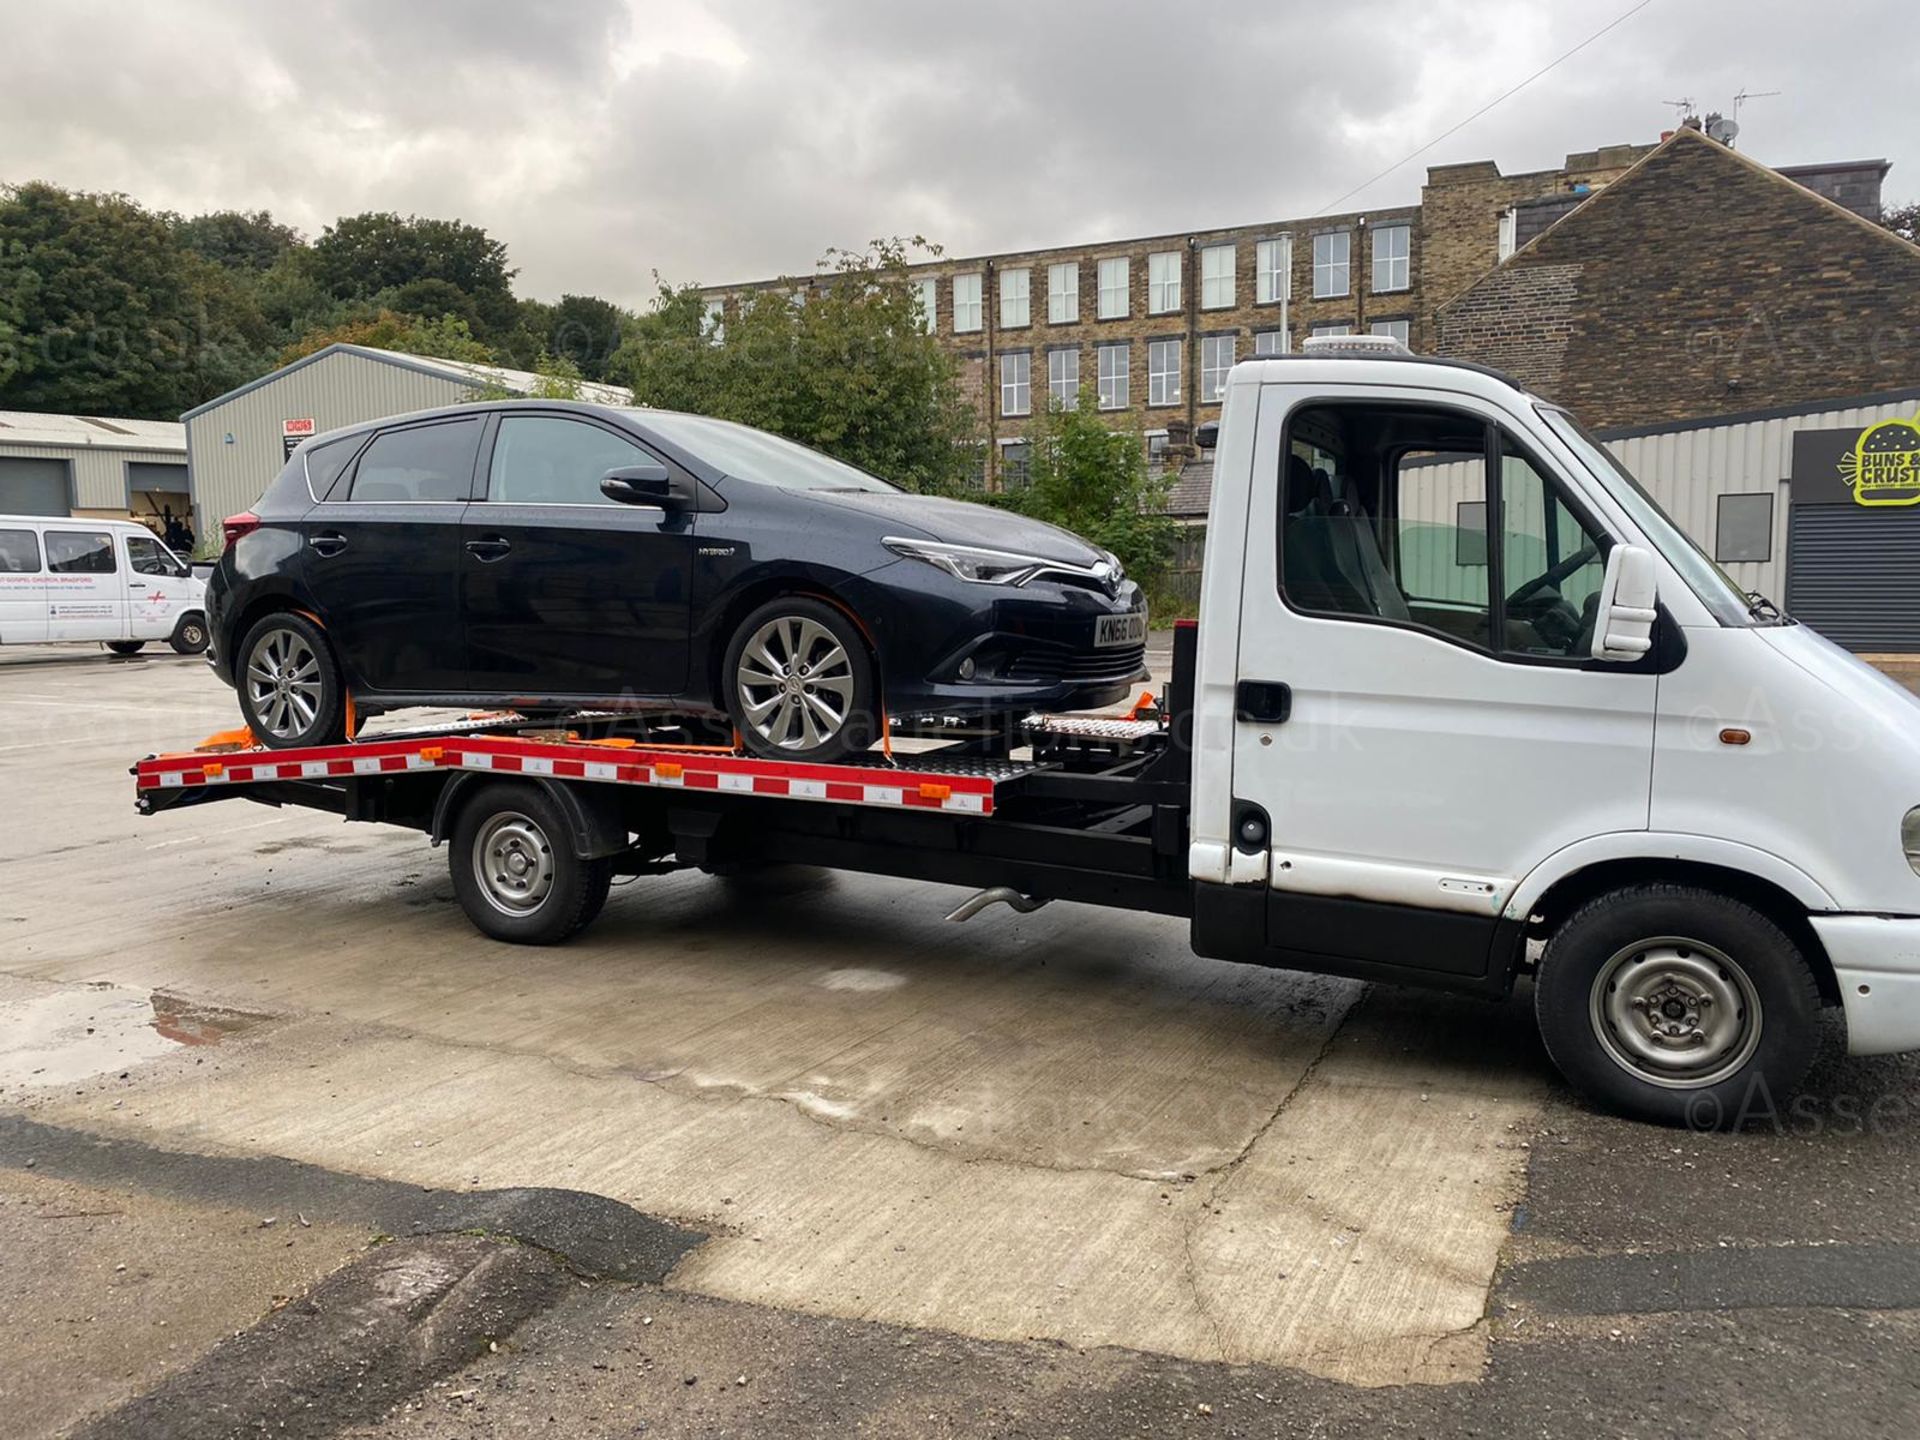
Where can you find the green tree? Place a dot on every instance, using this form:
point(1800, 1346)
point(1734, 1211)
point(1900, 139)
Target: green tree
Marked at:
point(1904, 220)
point(104, 310)
point(841, 363)
point(1094, 481)
point(360, 256)
point(446, 338)
point(588, 331)
point(238, 240)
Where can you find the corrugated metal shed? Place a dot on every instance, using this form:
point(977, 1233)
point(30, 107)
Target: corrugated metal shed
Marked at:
point(96, 450)
point(234, 442)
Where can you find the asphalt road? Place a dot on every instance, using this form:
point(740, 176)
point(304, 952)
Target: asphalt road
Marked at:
point(284, 1145)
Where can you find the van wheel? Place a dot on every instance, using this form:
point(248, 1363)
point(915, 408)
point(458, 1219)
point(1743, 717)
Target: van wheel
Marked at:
point(514, 870)
point(190, 635)
point(126, 647)
point(799, 684)
point(290, 689)
point(1678, 1005)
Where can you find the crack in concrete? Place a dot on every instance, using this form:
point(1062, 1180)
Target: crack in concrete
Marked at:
point(1220, 1175)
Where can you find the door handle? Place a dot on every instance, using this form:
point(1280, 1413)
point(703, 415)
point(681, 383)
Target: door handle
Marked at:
point(328, 544)
point(490, 547)
point(1263, 702)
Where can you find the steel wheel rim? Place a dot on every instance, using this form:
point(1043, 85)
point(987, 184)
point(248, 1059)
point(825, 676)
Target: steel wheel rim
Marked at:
point(1676, 1013)
point(191, 634)
point(794, 683)
point(283, 683)
point(513, 861)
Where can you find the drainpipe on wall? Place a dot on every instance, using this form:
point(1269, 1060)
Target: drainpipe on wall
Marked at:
point(989, 318)
point(1360, 272)
point(1190, 366)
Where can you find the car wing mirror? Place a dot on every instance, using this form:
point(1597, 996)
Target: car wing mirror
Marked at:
point(649, 484)
point(1623, 621)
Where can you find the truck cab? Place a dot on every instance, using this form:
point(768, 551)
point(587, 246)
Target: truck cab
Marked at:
point(1462, 686)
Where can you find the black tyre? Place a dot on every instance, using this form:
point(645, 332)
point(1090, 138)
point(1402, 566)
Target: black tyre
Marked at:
point(190, 635)
point(1677, 1005)
point(799, 684)
point(290, 688)
point(126, 647)
point(514, 869)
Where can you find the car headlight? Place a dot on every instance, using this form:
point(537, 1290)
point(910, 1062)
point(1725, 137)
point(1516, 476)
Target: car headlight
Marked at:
point(971, 562)
point(1910, 838)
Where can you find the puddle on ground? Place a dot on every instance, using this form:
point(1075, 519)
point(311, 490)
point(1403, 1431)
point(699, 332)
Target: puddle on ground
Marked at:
point(71, 1035)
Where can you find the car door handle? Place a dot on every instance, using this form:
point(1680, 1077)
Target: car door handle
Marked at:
point(327, 544)
point(490, 547)
point(1263, 702)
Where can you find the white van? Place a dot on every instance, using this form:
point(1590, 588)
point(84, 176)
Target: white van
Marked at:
point(106, 580)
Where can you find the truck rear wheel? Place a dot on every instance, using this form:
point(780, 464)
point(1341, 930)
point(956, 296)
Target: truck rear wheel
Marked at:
point(514, 868)
point(1678, 1005)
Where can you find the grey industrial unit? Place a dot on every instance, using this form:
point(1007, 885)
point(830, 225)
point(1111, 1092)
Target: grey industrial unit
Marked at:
point(90, 465)
point(237, 442)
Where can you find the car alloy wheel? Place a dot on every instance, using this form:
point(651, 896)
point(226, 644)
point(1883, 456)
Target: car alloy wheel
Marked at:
point(284, 683)
point(795, 684)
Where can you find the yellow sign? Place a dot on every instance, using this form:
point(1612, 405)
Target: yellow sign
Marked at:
point(1884, 465)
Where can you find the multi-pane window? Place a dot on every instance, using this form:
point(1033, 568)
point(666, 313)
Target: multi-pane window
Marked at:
point(1156, 448)
point(1332, 254)
point(1163, 282)
point(1216, 359)
point(1063, 293)
point(1339, 327)
point(1391, 247)
point(714, 323)
point(1270, 342)
point(1063, 378)
point(1216, 277)
point(1163, 372)
point(1016, 464)
point(928, 293)
point(1273, 270)
point(1397, 329)
point(1113, 288)
point(1016, 383)
point(966, 303)
point(1016, 290)
point(1115, 376)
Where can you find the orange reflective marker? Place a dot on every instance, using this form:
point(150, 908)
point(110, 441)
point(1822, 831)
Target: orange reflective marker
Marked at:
point(931, 791)
point(1736, 737)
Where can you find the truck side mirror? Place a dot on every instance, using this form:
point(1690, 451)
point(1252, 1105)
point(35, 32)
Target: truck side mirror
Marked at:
point(1623, 620)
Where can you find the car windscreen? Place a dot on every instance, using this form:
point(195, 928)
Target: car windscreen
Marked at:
point(743, 453)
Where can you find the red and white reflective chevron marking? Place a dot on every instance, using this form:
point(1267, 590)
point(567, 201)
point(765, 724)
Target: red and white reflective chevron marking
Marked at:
point(732, 774)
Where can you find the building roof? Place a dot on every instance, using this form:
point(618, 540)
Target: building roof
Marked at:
point(460, 372)
point(1192, 488)
point(23, 427)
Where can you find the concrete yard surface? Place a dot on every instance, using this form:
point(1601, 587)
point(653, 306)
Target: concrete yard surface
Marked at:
point(1033, 1174)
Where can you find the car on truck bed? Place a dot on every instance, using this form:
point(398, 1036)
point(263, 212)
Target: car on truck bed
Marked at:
point(1463, 707)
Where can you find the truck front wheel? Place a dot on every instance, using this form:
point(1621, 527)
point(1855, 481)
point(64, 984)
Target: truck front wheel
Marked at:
point(514, 867)
point(1678, 1005)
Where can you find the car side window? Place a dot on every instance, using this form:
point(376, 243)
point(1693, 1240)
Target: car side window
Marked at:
point(1388, 516)
point(419, 463)
point(148, 558)
point(19, 552)
point(77, 552)
point(547, 460)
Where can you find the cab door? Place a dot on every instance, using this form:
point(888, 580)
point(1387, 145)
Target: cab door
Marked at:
point(23, 588)
point(563, 591)
point(160, 587)
point(87, 585)
point(1419, 717)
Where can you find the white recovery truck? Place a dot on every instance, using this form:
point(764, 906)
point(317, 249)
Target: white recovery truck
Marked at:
point(1462, 705)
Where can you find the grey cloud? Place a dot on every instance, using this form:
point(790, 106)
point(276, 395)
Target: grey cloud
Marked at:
point(737, 138)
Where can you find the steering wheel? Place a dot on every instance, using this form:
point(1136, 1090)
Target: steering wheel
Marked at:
point(1585, 555)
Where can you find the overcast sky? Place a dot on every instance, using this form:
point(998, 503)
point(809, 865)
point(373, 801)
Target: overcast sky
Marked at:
point(720, 140)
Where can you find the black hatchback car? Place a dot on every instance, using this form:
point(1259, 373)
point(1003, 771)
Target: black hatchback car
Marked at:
point(552, 557)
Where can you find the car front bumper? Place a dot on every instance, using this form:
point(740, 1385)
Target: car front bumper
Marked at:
point(1876, 960)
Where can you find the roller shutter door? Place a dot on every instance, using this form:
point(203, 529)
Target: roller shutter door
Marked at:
point(1854, 575)
point(34, 487)
point(156, 478)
